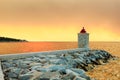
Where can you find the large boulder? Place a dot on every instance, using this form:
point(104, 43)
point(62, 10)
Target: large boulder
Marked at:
point(43, 69)
point(69, 76)
point(50, 76)
point(25, 77)
point(79, 78)
point(57, 68)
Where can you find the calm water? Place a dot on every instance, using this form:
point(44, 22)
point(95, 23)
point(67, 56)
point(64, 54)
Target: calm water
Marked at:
point(20, 47)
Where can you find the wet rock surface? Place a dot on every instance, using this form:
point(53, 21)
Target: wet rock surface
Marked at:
point(66, 66)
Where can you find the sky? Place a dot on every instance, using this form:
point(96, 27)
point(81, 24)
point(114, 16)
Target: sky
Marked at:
point(60, 20)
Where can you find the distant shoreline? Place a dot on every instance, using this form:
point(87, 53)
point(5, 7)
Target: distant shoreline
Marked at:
point(6, 39)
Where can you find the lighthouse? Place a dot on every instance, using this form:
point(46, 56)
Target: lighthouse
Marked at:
point(83, 39)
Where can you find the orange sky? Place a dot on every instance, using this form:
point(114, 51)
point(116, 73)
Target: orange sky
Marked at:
point(60, 20)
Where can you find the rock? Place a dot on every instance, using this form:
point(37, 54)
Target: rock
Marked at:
point(88, 67)
point(16, 70)
point(80, 62)
point(25, 77)
point(95, 61)
point(13, 79)
point(35, 67)
point(62, 61)
point(50, 76)
point(71, 63)
point(75, 55)
point(88, 61)
point(69, 57)
point(57, 68)
point(12, 72)
point(43, 61)
point(100, 62)
point(79, 71)
point(42, 56)
point(14, 61)
point(24, 71)
point(101, 57)
point(35, 64)
point(6, 65)
point(26, 62)
point(70, 71)
point(36, 59)
point(53, 61)
point(44, 79)
point(42, 69)
point(79, 78)
point(51, 56)
point(23, 64)
point(35, 75)
point(28, 59)
point(12, 75)
point(69, 76)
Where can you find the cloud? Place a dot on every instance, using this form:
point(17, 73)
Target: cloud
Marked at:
point(104, 14)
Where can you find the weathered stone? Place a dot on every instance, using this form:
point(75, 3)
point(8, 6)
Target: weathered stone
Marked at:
point(42, 56)
point(70, 71)
point(43, 61)
point(100, 62)
point(35, 67)
point(6, 65)
point(81, 62)
point(50, 75)
point(88, 61)
point(25, 77)
point(57, 68)
point(36, 59)
point(53, 61)
point(79, 78)
point(24, 71)
point(26, 62)
point(16, 70)
point(43, 69)
point(23, 64)
point(88, 67)
point(69, 76)
point(12, 75)
point(44, 79)
point(61, 62)
point(79, 71)
point(35, 75)
point(75, 55)
point(29, 59)
point(51, 56)
point(35, 64)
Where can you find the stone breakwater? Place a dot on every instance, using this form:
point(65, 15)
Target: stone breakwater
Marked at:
point(63, 66)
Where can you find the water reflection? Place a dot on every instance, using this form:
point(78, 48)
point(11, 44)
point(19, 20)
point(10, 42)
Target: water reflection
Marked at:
point(20, 47)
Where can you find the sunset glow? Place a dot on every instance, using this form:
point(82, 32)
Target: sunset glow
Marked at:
point(60, 20)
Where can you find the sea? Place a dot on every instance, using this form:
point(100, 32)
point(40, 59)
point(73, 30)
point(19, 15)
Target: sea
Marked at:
point(26, 47)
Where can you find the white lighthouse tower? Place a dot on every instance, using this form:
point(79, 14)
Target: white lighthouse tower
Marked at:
point(83, 39)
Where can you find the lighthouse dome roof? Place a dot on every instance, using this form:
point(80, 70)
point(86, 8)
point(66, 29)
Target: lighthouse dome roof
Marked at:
point(83, 30)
